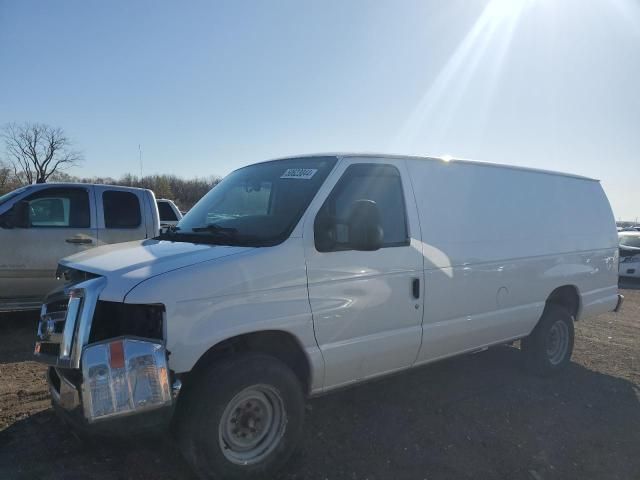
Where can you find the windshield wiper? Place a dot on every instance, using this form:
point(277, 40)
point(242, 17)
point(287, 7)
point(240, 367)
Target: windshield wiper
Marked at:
point(215, 228)
point(227, 235)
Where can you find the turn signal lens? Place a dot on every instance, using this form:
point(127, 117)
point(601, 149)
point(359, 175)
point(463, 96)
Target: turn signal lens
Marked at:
point(116, 357)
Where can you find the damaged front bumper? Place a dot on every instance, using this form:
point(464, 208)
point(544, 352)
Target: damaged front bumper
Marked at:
point(123, 387)
point(95, 383)
point(68, 406)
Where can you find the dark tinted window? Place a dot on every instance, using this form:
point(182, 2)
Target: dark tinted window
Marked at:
point(121, 210)
point(166, 212)
point(60, 207)
point(380, 183)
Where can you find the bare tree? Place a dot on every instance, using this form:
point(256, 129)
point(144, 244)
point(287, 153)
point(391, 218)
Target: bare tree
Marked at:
point(5, 177)
point(37, 151)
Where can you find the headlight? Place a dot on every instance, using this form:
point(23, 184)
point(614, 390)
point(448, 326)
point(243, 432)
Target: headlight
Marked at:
point(124, 376)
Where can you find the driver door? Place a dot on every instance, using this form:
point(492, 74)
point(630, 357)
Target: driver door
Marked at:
point(366, 305)
point(62, 222)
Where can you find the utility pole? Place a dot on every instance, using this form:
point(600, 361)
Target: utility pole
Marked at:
point(140, 157)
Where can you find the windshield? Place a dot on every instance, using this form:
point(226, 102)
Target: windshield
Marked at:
point(258, 205)
point(630, 241)
point(8, 196)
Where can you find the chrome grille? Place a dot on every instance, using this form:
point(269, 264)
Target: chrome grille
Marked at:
point(65, 323)
point(52, 318)
point(51, 328)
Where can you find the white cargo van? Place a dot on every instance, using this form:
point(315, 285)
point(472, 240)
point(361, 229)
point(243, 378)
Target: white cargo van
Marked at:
point(40, 224)
point(297, 276)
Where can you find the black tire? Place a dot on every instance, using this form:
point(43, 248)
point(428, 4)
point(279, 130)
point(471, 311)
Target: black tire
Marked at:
point(207, 431)
point(549, 347)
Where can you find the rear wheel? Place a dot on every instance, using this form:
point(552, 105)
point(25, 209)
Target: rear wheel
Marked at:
point(243, 418)
point(549, 347)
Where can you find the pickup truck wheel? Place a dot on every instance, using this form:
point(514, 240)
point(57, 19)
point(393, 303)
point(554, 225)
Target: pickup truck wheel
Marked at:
point(243, 419)
point(548, 349)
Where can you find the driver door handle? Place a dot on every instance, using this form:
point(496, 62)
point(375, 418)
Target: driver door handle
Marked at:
point(415, 288)
point(77, 240)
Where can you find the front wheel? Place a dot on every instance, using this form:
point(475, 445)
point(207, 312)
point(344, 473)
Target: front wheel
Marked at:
point(243, 419)
point(549, 347)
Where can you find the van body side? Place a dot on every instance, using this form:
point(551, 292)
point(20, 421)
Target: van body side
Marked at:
point(498, 241)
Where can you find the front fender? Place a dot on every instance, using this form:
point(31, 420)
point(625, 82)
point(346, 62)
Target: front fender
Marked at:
point(207, 303)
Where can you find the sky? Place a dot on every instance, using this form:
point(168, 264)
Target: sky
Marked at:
point(205, 87)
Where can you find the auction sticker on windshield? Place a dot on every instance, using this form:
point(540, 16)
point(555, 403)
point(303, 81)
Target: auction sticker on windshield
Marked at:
point(300, 173)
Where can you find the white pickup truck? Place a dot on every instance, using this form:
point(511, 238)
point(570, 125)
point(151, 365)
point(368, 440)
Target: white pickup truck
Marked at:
point(40, 224)
point(298, 276)
point(169, 212)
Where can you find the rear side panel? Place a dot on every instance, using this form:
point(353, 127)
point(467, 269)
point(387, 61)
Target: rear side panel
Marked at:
point(125, 225)
point(498, 241)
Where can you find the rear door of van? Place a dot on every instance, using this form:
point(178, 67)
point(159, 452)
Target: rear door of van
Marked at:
point(366, 305)
point(121, 214)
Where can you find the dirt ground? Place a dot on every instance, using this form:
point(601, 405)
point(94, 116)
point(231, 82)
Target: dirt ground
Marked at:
point(478, 416)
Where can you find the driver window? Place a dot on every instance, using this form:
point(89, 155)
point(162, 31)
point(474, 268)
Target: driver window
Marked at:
point(59, 207)
point(379, 183)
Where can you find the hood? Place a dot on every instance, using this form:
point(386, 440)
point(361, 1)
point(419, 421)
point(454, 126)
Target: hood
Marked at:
point(127, 264)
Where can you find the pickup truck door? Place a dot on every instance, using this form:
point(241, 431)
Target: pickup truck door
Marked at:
point(62, 223)
point(121, 214)
point(366, 305)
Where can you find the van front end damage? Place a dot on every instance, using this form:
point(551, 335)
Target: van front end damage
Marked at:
point(107, 361)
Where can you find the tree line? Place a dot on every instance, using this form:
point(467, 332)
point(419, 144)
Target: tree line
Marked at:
point(39, 153)
point(184, 192)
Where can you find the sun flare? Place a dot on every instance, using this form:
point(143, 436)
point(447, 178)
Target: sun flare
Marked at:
point(485, 45)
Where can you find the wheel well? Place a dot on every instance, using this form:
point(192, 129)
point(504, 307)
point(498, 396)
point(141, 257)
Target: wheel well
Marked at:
point(281, 345)
point(566, 296)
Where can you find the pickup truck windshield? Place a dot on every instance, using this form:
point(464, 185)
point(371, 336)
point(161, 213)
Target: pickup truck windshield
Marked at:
point(258, 205)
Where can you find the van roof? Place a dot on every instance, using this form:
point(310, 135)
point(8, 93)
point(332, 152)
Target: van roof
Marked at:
point(439, 159)
point(76, 184)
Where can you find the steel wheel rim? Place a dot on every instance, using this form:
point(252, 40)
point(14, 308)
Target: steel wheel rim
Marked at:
point(557, 342)
point(252, 425)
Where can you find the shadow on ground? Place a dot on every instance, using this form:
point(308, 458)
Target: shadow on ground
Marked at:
point(477, 416)
point(629, 283)
point(16, 345)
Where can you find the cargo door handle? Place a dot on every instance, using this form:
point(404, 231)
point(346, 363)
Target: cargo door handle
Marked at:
point(83, 241)
point(415, 287)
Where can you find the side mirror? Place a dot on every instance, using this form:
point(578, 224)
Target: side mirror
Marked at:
point(324, 230)
point(365, 228)
point(20, 215)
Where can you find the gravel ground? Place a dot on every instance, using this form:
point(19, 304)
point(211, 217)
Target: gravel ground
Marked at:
point(477, 416)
